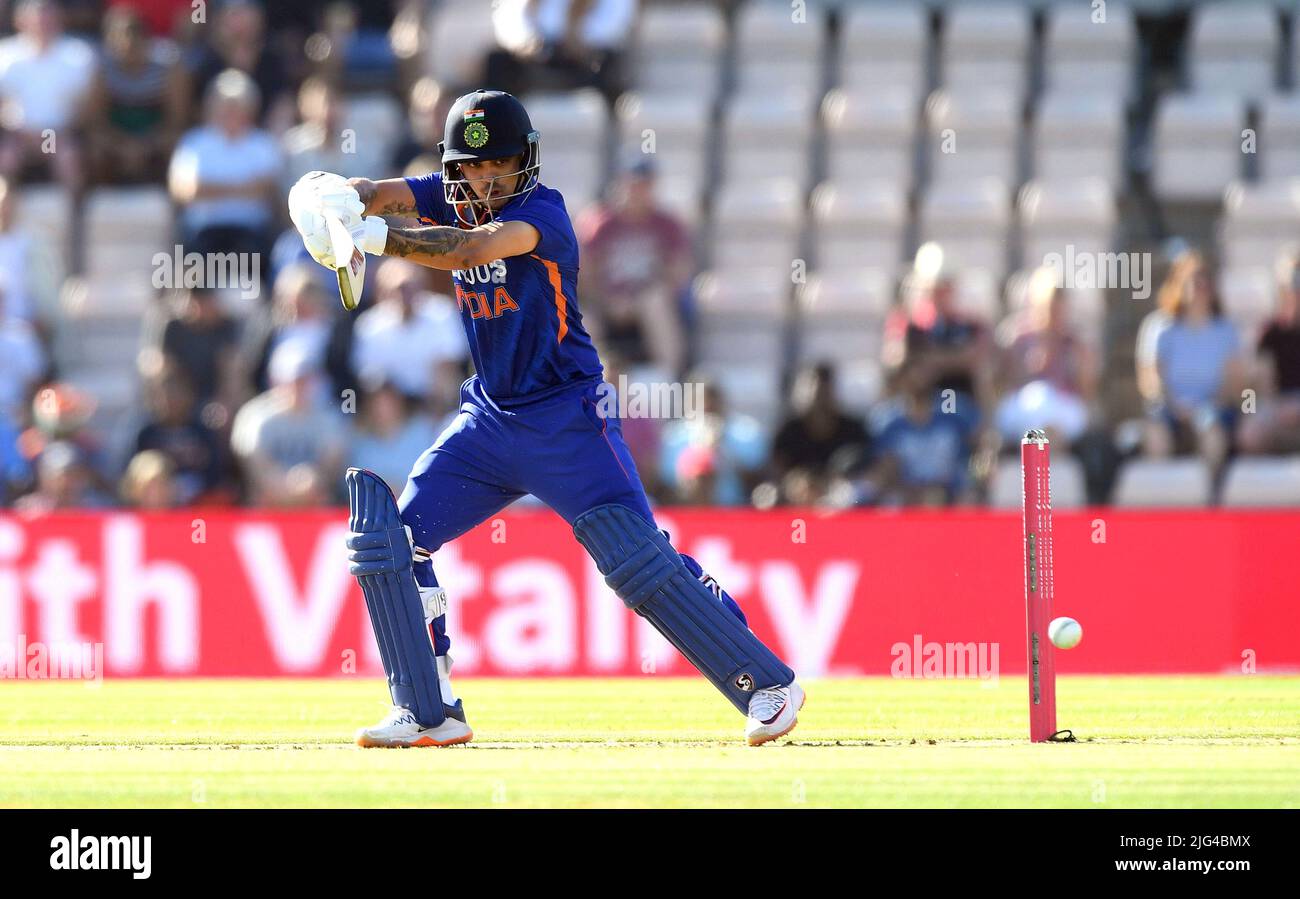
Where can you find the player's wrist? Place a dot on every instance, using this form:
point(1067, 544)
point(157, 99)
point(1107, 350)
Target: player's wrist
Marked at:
point(373, 238)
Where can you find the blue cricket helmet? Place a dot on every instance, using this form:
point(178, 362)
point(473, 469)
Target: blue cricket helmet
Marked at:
point(482, 125)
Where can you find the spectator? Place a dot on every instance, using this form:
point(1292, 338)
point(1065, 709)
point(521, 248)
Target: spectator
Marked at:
point(1199, 373)
point(557, 44)
point(202, 341)
point(22, 362)
point(1275, 425)
point(45, 81)
point(224, 174)
point(319, 144)
point(817, 429)
point(64, 480)
point(149, 482)
point(61, 413)
point(290, 448)
point(389, 434)
point(713, 455)
point(352, 51)
point(30, 285)
point(425, 119)
point(300, 311)
point(636, 260)
point(161, 17)
point(1155, 322)
point(1048, 374)
point(174, 430)
point(953, 349)
point(141, 100)
point(239, 43)
point(410, 337)
point(922, 454)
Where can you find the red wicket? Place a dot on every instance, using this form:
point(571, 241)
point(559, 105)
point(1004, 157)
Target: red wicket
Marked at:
point(1035, 467)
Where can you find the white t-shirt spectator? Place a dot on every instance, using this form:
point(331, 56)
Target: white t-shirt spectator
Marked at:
point(408, 353)
point(43, 89)
point(605, 25)
point(214, 158)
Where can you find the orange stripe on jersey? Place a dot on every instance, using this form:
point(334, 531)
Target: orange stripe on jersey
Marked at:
point(561, 305)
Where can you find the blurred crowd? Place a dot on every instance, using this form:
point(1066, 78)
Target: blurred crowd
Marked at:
point(267, 404)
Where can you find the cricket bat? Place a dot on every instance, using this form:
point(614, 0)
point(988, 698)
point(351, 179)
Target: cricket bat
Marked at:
point(350, 263)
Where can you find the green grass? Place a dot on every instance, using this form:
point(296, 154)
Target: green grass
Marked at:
point(1145, 742)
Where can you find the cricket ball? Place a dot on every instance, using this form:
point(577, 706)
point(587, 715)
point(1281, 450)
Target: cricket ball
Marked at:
point(1065, 633)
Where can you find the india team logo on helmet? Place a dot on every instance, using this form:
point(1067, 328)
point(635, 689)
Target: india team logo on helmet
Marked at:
point(476, 133)
point(484, 125)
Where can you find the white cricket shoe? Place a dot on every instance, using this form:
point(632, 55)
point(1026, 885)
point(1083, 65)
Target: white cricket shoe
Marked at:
point(400, 729)
point(773, 713)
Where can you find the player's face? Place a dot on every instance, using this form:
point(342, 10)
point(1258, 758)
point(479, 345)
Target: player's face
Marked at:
point(481, 174)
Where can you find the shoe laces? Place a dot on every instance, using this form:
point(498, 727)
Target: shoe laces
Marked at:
point(766, 704)
point(398, 715)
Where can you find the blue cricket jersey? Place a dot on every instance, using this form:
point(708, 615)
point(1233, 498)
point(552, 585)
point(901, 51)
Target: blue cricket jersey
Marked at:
point(521, 314)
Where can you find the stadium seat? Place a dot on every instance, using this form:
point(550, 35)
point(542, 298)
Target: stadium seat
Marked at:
point(676, 129)
point(841, 317)
point(973, 133)
point(1082, 56)
point(1233, 48)
point(575, 131)
point(1197, 145)
point(1077, 215)
point(1249, 298)
point(859, 224)
point(743, 319)
point(1079, 135)
point(1279, 136)
point(862, 296)
point(884, 47)
point(1259, 221)
point(124, 228)
point(970, 219)
point(748, 387)
point(1067, 484)
point(777, 54)
point(987, 44)
point(679, 48)
point(757, 220)
point(45, 212)
point(1262, 481)
point(1155, 483)
point(766, 136)
point(871, 131)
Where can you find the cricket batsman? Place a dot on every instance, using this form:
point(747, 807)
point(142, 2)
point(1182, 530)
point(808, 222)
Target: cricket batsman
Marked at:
point(529, 423)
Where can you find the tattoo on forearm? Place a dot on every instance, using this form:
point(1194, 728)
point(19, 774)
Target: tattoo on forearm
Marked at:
point(432, 241)
point(367, 190)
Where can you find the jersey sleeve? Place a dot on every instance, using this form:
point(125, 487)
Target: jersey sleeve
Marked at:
point(430, 202)
point(558, 242)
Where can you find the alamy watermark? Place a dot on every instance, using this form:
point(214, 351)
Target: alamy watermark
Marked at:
point(64, 660)
point(920, 659)
point(1085, 269)
point(650, 399)
point(215, 271)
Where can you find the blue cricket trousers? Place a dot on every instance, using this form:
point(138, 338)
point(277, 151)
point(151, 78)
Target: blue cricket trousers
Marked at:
point(560, 449)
